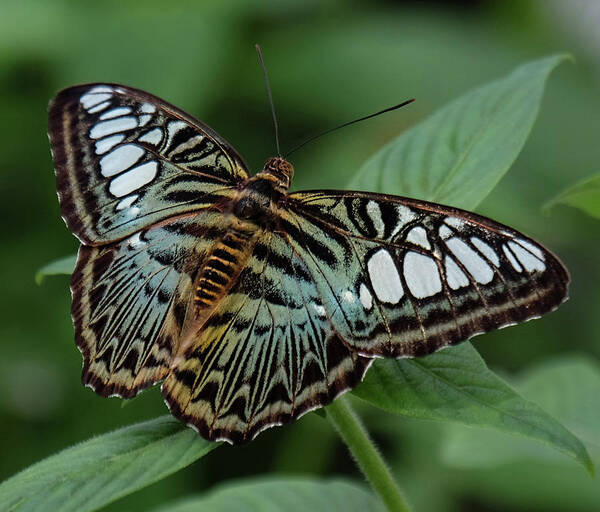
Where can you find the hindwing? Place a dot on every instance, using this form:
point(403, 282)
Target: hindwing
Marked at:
point(125, 159)
point(130, 301)
point(267, 355)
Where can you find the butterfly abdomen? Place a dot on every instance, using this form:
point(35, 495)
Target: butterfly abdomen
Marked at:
point(221, 268)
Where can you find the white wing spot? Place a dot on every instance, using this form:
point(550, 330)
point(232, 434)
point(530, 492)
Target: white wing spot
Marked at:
point(90, 100)
point(531, 248)
point(374, 213)
point(475, 264)
point(528, 260)
point(173, 127)
point(418, 236)
point(486, 250)
point(152, 137)
point(384, 276)
point(455, 276)
point(131, 180)
point(99, 108)
point(120, 159)
point(421, 275)
point(145, 119)
point(101, 88)
point(148, 108)
point(135, 240)
point(511, 259)
point(95, 96)
point(405, 215)
point(127, 202)
point(445, 232)
point(455, 222)
point(319, 309)
point(104, 145)
point(349, 296)
point(366, 299)
point(115, 112)
point(113, 126)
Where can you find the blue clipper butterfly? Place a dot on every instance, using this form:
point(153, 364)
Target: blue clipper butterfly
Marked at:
point(250, 304)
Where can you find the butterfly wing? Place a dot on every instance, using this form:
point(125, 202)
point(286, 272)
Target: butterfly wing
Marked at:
point(266, 356)
point(125, 159)
point(400, 277)
point(141, 184)
point(130, 300)
point(342, 278)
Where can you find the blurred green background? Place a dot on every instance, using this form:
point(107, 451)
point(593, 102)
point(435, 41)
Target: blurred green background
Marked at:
point(329, 61)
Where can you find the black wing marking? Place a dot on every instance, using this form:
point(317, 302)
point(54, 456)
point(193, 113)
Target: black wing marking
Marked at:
point(126, 159)
point(402, 278)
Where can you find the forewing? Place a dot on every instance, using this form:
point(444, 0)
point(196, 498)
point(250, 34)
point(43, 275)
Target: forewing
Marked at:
point(125, 159)
point(400, 277)
point(266, 356)
point(130, 300)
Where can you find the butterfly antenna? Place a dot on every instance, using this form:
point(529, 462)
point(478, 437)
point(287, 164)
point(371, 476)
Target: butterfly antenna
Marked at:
point(264, 69)
point(395, 107)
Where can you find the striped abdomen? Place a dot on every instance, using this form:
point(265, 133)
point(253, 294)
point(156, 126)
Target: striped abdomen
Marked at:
point(221, 269)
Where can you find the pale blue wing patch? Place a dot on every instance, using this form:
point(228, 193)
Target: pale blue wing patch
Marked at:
point(130, 300)
point(267, 355)
point(400, 277)
point(126, 159)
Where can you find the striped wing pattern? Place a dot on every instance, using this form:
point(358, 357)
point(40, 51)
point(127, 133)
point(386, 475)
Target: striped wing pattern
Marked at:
point(403, 278)
point(344, 278)
point(254, 306)
point(266, 356)
point(125, 159)
point(130, 299)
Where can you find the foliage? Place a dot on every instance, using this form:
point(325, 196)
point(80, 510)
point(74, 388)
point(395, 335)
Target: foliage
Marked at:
point(455, 384)
point(454, 157)
point(568, 389)
point(61, 266)
point(130, 458)
point(290, 494)
point(584, 195)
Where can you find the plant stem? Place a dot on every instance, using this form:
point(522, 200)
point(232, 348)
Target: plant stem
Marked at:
point(366, 455)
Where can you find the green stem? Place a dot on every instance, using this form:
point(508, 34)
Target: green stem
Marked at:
point(366, 455)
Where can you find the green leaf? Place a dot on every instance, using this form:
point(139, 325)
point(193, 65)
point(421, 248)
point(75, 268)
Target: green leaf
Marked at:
point(488, 463)
point(584, 195)
point(282, 494)
point(459, 154)
point(61, 266)
point(96, 472)
point(455, 385)
point(534, 485)
point(568, 388)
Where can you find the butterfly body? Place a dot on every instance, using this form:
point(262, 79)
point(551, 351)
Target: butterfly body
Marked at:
point(253, 305)
point(251, 210)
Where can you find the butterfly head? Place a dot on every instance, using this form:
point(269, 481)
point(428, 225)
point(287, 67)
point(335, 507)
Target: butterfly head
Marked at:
point(280, 171)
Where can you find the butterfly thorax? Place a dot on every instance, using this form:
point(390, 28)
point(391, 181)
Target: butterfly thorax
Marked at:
point(260, 194)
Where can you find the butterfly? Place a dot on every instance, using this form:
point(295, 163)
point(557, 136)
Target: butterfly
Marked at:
point(253, 305)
